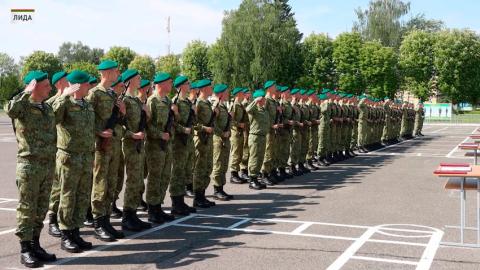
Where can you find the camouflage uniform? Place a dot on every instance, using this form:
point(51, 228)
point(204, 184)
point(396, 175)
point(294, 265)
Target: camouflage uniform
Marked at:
point(35, 132)
point(239, 115)
point(76, 145)
point(259, 128)
point(313, 131)
point(324, 129)
point(285, 134)
point(419, 117)
point(269, 159)
point(221, 146)
point(296, 145)
point(246, 150)
point(203, 147)
point(55, 193)
point(304, 132)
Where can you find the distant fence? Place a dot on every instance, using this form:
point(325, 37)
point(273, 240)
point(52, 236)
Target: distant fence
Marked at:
point(456, 119)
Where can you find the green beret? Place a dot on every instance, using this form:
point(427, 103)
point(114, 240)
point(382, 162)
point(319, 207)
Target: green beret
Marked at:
point(219, 88)
point(203, 83)
point(303, 92)
point(310, 92)
point(128, 74)
point(180, 80)
point(323, 96)
point(349, 95)
point(193, 85)
point(237, 90)
point(78, 76)
point(258, 93)
point(282, 88)
point(37, 75)
point(58, 76)
point(119, 79)
point(92, 80)
point(325, 90)
point(161, 77)
point(107, 64)
point(294, 91)
point(144, 83)
point(268, 84)
point(245, 90)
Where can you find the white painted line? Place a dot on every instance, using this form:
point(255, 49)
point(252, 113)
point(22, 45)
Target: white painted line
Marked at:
point(429, 253)
point(119, 242)
point(10, 200)
point(398, 242)
point(352, 249)
point(383, 260)
point(233, 226)
point(302, 228)
point(456, 146)
point(438, 130)
point(8, 209)
point(390, 146)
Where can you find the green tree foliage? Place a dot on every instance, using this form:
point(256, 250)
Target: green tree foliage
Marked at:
point(379, 69)
point(78, 52)
point(416, 61)
point(318, 66)
point(346, 56)
point(457, 62)
point(88, 67)
point(40, 60)
point(195, 61)
point(9, 77)
point(170, 64)
point(145, 66)
point(259, 41)
point(419, 22)
point(123, 55)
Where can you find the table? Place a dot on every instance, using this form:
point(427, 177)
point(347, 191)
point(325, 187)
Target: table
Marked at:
point(471, 146)
point(468, 181)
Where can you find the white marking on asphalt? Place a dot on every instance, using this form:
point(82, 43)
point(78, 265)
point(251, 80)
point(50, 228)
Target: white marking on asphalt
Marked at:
point(430, 251)
point(233, 226)
point(8, 209)
point(9, 200)
point(456, 146)
point(302, 228)
point(383, 260)
point(438, 130)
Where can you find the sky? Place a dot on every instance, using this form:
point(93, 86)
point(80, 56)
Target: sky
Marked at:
point(141, 24)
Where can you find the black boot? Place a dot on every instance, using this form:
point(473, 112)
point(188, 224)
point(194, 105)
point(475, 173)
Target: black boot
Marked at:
point(41, 253)
point(255, 184)
point(189, 191)
point(89, 218)
point(179, 208)
point(143, 224)
point(207, 200)
point(143, 205)
point(220, 194)
point(268, 180)
point(84, 245)
point(68, 244)
point(153, 215)
point(116, 213)
point(235, 178)
point(200, 201)
point(166, 217)
point(294, 170)
point(311, 166)
point(278, 176)
point(329, 158)
point(284, 174)
point(129, 223)
point(53, 229)
point(244, 175)
point(302, 168)
point(117, 234)
point(321, 162)
point(101, 232)
point(27, 257)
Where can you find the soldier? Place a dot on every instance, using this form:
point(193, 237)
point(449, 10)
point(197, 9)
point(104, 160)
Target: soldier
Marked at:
point(133, 149)
point(405, 120)
point(203, 144)
point(93, 81)
point(118, 87)
point(192, 100)
point(76, 139)
point(285, 133)
point(312, 130)
point(107, 149)
point(158, 147)
point(296, 144)
point(34, 127)
point(304, 131)
point(268, 169)
point(60, 82)
point(221, 143)
point(324, 128)
point(239, 120)
point(419, 117)
point(246, 151)
point(355, 112)
point(362, 124)
point(184, 149)
point(259, 128)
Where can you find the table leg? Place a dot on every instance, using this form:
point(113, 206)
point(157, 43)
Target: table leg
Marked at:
point(475, 155)
point(462, 209)
point(478, 211)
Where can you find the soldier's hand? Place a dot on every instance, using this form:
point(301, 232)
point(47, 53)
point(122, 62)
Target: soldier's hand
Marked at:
point(280, 125)
point(258, 99)
point(71, 89)
point(226, 134)
point(121, 107)
point(175, 108)
point(208, 130)
point(241, 125)
point(138, 136)
point(30, 86)
point(276, 126)
point(291, 122)
point(188, 130)
point(107, 133)
point(166, 136)
point(300, 124)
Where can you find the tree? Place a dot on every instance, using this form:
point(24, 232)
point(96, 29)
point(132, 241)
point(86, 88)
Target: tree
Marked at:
point(318, 62)
point(419, 22)
point(170, 64)
point(123, 56)
point(40, 60)
point(8, 65)
point(88, 67)
point(78, 52)
point(259, 42)
point(346, 56)
point(379, 70)
point(416, 61)
point(9, 77)
point(195, 61)
point(457, 62)
point(145, 66)
point(382, 21)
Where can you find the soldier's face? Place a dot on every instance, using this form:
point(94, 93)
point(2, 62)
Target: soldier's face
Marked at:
point(135, 82)
point(83, 91)
point(42, 89)
point(61, 84)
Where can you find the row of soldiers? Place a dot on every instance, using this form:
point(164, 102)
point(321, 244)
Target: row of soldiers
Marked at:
point(76, 148)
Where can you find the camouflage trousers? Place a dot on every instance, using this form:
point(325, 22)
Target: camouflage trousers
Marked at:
point(75, 171)
point(134, 168)
point(269, 159)
point(221, 153)
point(296, 146)
point(246, 152)
point(312, 142)
point(105, 175)
point(284, 139)
point(323, 138)
point(362, 133)
point(236, 150)
point(257, 145)
point(34, 182)
point(202, 163)
point(304, 144)
point(55, 193)
point(159, 164)
point(121, 174)
point(182, 167)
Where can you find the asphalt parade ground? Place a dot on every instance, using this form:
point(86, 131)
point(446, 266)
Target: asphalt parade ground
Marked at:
point(381, 210)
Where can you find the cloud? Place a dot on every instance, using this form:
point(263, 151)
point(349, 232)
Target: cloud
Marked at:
point(140, 25)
